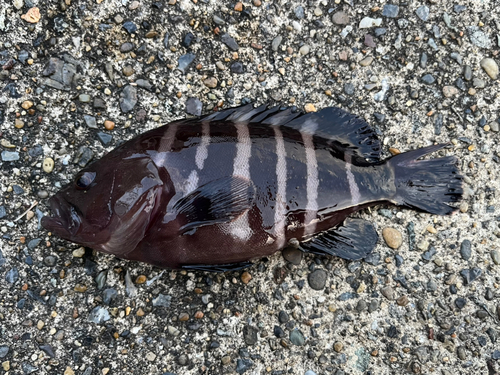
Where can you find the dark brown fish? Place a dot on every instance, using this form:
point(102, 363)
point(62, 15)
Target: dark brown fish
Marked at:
point(217, 191)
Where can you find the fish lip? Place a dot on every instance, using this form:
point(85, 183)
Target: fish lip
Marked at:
point(65, 221)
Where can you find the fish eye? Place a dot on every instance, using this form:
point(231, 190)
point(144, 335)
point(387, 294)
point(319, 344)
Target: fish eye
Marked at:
point(84, 180)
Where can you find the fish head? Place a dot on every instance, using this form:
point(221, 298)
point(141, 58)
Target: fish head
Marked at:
point(109, 205)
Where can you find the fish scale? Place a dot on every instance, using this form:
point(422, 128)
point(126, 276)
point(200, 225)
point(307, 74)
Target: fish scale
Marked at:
point(214, 192)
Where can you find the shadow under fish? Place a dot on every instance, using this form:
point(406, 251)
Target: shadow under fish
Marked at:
point(215, 192)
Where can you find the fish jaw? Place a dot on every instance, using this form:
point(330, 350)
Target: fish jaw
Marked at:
point(66, 221)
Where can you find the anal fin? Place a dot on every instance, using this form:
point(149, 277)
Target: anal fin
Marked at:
point(353, 240)
point(218, 267)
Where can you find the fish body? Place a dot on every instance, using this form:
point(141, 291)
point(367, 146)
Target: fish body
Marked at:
point(216, 191)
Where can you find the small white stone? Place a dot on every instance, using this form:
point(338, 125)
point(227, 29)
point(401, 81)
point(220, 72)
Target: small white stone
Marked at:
point(18, 4)
point(368, 22)
point(490, 67)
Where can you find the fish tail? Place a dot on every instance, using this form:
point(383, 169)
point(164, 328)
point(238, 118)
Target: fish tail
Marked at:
point(427, 185)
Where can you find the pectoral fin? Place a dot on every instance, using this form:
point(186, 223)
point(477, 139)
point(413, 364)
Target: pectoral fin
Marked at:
point(219, 201)
point(353, 240)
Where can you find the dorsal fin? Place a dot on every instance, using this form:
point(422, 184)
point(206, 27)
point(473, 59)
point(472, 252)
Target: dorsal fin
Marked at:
point(344, 132)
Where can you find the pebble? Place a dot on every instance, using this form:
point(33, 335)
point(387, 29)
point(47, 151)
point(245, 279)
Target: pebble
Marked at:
point(292, 255)
point(48, 165)
point(392, 237)
point(368, 22)
point(349, 89)
point(99, 315)
point(130, 27)
point(490, 67)
point(109, 125)
point(366, 61)
point(10, 155)
point(338, 347)
point(246, 277)
point(4, 350)
point(309, 107)
point(297, 337)
point(276, 43)
point(340, 18)
point(237, 67)
point(162, 300)
point(187, 40)
point(250, 335)
point(388, 292)
point(230, 42)
point(317, 279)
point(104, 138)
point(32, 15)
point(84, 98)
point(428, 79)
point(450, 91)
point(478, 37)
point(90, 121)
point(194, 106)
point(390, 11)
point(12, 275)
point(304, 50)
point(185, 61)
point(495, 256)
point(402, 301)
point(470, 275)
point(128, 98)
point(466, 249)
point(299, 12)
point(423, 12)
point(210, 82)
point(127, 47)
point(242, 365)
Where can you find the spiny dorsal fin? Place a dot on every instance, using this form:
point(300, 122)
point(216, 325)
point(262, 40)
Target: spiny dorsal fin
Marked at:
point(344, 132)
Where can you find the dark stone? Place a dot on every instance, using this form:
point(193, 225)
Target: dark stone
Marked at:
point(349, 89)
point(250, 335)
point(128, 98)
point(292, 255)
point(379, 31)
point(194, 106)
point(369, 42)
point(185, 61)
point(428, 79)
point(237, 67)
point(283, 317)
point(297, 337)
point(460, 303)
point(471, 274)
point(242, 365)
point(4, 349)
point(187, 40)
point(278, 332)
point(104, 138)
point(230, 42)
point(35, 151)
point(429, 254)
point(399, 260)
point(317, 279)
point(127, 47)
point(48, 350)
point(373, 259)
point(34, 243)
point(12, 275)
point(130, 27)
point(466, 249)
point(50, 260)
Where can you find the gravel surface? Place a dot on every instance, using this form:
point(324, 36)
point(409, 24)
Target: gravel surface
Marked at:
point(79, 77)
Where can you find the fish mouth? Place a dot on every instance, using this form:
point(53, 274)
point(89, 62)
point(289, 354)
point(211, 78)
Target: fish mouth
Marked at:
point(65, 221)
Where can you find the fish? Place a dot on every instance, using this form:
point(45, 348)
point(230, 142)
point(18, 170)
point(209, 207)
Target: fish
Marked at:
point(218, 191)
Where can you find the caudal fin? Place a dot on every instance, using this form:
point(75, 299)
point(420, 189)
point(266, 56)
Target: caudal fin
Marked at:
point(427, 185)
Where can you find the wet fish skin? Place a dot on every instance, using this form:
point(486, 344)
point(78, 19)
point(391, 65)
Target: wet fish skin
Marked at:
point(219, 190)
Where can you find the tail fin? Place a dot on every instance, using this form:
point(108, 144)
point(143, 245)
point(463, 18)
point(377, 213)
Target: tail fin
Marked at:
point(427, 185)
